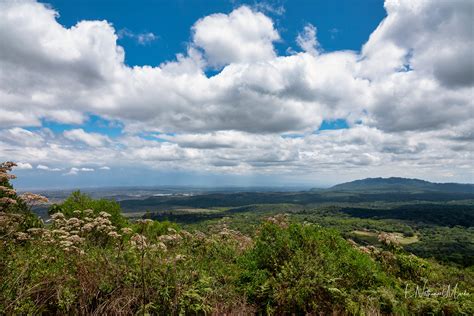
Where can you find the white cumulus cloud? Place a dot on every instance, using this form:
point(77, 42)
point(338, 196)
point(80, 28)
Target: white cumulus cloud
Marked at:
point(91, 139)
point(241, 36)
point(307, 39)
point(23, 166)
point(407, 95)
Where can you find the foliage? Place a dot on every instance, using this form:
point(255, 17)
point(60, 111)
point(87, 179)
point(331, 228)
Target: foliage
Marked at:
point(79, 201)
point(304, 268)
point(12, 203)
point(92, 261)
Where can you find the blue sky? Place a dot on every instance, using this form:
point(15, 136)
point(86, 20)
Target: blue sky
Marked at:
point(247, 93)
point(342, 24)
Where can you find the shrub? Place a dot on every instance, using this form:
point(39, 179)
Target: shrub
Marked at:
point(78, 201)
point(304, 268)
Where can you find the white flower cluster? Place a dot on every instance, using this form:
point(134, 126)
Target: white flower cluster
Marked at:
point(388, 239)
point(221, 232)
point(66, 232)
point(370, 250)
point(72, 232)
point(242, 241)
point(100, 224)
point(144, 221)
point(126, 231)
point(9, 223)
point(172, 239)
point(279, 219)
point(141, 243)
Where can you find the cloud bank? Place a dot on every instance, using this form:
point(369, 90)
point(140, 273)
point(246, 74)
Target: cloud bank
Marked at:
point(407, 96)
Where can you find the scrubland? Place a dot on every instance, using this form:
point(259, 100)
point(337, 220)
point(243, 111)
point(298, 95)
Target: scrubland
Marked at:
point(89, 259)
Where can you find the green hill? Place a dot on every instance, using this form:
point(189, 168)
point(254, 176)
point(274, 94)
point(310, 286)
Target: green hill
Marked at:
point(402, 185)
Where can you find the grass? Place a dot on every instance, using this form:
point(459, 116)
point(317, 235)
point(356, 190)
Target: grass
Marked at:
point(406, 240)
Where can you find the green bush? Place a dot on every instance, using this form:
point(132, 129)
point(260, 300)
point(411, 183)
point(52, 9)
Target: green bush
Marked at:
point(80, 201)
point(304, 268)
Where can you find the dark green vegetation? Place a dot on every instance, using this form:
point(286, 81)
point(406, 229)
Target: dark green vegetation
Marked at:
point(446, 233)
point(440, 215)
point(403, 185)
point(302, 198)
point(239, 259)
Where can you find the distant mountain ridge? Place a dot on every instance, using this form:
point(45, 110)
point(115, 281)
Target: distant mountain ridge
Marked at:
point(402, 185)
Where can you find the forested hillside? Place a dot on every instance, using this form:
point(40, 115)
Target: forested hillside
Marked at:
point(402, 185)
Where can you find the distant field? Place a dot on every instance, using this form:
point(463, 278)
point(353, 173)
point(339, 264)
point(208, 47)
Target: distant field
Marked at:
point(403, 240)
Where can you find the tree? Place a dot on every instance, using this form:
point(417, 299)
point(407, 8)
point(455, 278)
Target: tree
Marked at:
point(80, 201)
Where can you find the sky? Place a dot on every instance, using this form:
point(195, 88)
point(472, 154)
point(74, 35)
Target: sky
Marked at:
point(243, 93)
